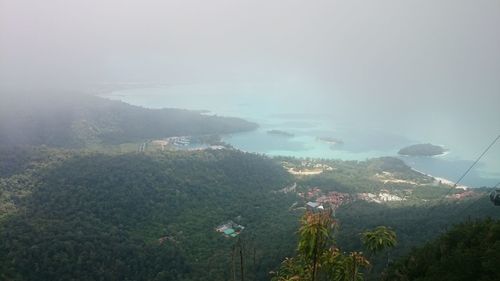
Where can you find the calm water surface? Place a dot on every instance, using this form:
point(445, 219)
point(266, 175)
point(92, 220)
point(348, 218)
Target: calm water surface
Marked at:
point(307, 119)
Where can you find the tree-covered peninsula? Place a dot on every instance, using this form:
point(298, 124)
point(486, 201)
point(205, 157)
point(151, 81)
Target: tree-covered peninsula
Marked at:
point(82, 121)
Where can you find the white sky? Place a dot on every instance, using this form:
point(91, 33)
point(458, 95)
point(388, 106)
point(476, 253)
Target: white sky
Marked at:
point(388, 51)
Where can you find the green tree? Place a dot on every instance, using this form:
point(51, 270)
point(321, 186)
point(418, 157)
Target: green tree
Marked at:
point(316, 233)
point(318, 257)
point(379, 239)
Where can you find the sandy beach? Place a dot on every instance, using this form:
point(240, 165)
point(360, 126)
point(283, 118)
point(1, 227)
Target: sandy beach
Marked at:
point(444, 180)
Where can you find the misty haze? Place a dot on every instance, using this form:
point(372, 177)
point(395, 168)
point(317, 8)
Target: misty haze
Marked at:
point(208, 140)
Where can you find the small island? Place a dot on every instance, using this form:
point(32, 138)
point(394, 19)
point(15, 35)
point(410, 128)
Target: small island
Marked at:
point(425, 149)
point(331, 140)
point(280, 133)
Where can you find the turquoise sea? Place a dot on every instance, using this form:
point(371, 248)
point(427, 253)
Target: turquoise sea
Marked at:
point(365, 134)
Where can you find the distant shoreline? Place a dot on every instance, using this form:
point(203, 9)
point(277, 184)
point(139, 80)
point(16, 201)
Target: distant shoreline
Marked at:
point(305, 143)
point(432, 156)
point(442, 180)
point(330, 140)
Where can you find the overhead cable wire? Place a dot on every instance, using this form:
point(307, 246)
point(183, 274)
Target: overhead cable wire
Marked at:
point(465, 173)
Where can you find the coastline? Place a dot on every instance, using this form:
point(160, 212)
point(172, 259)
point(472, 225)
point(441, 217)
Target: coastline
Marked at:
point(443, 180)
point(442, 154)
point(305, 143)
point(431, 156)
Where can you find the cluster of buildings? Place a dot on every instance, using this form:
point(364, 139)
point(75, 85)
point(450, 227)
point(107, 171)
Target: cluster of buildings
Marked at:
point(179, 141)
point(172, 141)
point(334, 199)
point(318, 200)
point(175, 141)
point(382, 196)
point(311, 193)
point(306, 168)
point(183, 143)
point(230, 229)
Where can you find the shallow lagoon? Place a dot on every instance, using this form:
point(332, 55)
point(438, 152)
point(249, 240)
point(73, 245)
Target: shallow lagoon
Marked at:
point(293, 116)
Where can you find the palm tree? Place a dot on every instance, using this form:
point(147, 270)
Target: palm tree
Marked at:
point(319, 259)
point(316, 233)
point(379, 239)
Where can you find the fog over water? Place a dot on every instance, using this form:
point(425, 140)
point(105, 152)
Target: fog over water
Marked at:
point(375, 137)
point(388, 72)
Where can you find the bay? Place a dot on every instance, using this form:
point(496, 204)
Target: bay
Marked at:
point(364, 133)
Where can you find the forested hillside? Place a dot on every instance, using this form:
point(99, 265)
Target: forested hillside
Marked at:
point(96, 216)
point(469, 251)
point(77, 121)
point(68, 214)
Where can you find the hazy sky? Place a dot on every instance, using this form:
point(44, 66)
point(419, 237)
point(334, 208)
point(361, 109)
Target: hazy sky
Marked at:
point(366, 52)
